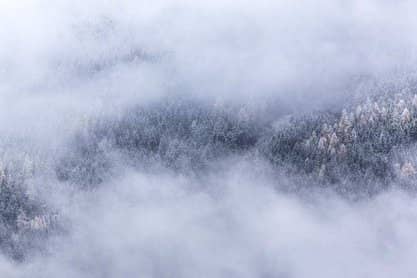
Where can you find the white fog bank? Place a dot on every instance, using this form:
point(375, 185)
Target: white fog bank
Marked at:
point(63, 63)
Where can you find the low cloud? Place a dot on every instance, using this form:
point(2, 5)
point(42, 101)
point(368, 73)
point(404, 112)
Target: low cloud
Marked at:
point(67, 65)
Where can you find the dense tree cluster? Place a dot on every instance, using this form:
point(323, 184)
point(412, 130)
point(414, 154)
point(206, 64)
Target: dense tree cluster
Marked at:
point(358, 144)
point(24, 219)
point(181, 135)
point(365, 145)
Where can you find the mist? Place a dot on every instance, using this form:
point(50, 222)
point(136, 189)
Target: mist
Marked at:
point(208, 138)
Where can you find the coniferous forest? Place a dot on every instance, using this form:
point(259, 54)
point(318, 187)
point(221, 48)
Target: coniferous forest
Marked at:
point(208, 139)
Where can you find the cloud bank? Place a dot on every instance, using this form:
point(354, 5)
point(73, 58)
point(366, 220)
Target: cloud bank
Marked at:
point(67, 65)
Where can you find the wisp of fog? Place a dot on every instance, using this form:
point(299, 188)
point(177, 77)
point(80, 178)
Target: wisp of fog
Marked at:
point(219, 138)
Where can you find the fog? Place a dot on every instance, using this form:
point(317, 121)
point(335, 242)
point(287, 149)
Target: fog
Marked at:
point(147, 139)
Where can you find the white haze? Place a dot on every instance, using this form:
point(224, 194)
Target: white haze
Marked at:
point(307, 54)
